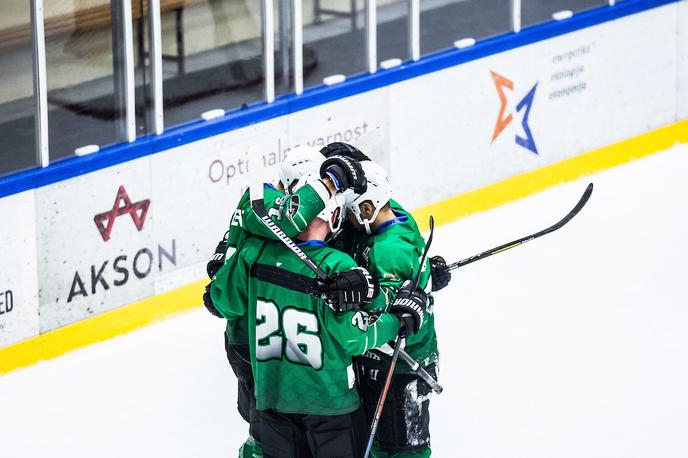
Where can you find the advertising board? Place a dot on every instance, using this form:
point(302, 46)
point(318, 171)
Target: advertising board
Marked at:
point(18, 280)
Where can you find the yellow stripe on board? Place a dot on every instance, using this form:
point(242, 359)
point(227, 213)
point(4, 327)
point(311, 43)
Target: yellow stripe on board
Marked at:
point(133, 316)
point(100, 327)
point(537, 180)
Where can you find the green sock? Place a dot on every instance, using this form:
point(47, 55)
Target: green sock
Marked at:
point(251, 449)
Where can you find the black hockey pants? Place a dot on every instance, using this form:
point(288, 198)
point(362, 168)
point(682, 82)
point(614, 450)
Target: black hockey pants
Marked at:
point(312, 436)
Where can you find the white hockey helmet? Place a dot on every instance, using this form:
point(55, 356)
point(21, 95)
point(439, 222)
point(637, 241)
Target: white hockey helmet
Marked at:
point(378, 193)
point(299, 162)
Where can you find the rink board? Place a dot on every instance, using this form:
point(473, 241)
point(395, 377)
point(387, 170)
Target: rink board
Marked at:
point(18, 281)
point(133, 230)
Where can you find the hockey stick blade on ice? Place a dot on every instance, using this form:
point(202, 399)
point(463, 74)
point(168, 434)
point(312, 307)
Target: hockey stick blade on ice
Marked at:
point(507, 246)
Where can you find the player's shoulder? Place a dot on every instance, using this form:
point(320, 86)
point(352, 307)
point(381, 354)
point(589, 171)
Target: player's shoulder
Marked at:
point(395, 239)
point(251, 248)
point(333, 260)
point(410, 224)
point(392, 254)
point(269, 191)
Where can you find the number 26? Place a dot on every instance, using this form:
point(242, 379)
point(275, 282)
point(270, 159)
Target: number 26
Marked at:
point(295, 336)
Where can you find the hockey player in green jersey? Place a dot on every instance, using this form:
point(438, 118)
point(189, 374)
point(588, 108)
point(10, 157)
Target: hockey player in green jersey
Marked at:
point(301, 346)
point(390, 248)
point(419, 440)
point(291, 212)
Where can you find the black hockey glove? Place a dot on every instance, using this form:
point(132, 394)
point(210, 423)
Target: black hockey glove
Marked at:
point(410, 305)
point(344, 149)
point(345, 173)
point(348, 290)
point(218, 258)
point(438, 273)
point(208, 302)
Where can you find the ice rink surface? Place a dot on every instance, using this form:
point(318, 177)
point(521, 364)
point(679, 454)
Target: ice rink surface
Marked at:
point(573, 345)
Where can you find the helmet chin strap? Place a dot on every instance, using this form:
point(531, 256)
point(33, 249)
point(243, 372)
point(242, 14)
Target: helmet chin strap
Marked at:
point(367, 221)
point(366, 224)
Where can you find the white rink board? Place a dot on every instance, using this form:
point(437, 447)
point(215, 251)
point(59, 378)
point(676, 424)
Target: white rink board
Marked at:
point(18, 281)
point(682, 60)
point(595, 86)
point(621, 81)
point(71, 248)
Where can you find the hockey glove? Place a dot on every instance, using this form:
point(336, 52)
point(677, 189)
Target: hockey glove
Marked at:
point(218, 258)
point(208, 302)
point(344, 149)
point(346, 173)
point(438, 273)
point(410, 305)
point(348, 290)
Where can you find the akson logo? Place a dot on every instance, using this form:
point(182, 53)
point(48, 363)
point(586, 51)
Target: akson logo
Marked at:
point(136, 264)
point(503, 119)
point(122, 206)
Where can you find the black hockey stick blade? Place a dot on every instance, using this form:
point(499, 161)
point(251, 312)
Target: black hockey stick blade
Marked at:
point(425, 251)
point(507, 246)
point(258, 207)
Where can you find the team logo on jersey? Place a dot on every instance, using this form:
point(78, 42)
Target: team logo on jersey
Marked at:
point(522, 108)
point(361, 320)
point(293, 207)
point(123, 206)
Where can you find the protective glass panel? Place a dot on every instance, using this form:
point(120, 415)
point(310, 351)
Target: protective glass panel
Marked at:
point(140, 33)
point(537, 11)
point(333, 39)
point(85, 67)
point(283, 30)
point(443, 22)
point(212, 56)
point(393, 30)
point(17, 106)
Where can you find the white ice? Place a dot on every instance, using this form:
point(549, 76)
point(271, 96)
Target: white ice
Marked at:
point(573, 345)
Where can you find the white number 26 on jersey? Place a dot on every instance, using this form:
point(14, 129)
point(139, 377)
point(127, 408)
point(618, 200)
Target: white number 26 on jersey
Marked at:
point(297, 337)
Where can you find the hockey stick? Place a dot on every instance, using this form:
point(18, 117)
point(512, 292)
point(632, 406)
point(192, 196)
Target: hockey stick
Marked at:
point(395, 355)
point(477, 257)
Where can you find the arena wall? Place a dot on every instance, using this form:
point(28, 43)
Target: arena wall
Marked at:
point(97, 241)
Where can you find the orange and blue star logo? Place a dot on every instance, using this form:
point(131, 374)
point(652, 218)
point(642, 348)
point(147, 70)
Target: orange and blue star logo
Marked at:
point(503, 119)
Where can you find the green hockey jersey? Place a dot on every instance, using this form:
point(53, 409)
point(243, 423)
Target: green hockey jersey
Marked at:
point(392, 255)
point(300, 348)
point(291, 213)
